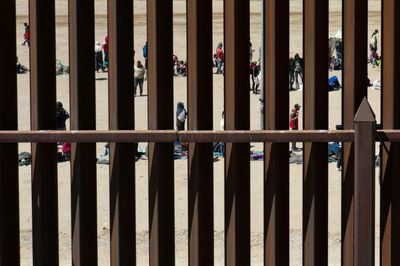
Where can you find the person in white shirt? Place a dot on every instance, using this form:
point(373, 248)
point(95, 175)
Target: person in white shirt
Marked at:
point(139, 76)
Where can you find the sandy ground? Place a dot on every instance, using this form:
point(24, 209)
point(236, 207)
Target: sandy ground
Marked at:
point(181, 166)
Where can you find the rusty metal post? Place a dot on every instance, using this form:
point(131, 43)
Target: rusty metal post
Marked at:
point(9, 199)
point(160, 110)
point(276, 109)
point(364, 186)
point(315, 168)
point(43, 116)
point(390, 168)
point(237, 109)
point(355, 39)
point(83, 117)
point(200, 97)
point(121, 117)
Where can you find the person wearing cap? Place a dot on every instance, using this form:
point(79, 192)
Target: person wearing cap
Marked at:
point(220, 58)
point(294, 122)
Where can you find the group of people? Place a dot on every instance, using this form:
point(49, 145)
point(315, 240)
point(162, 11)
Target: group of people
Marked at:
point(218, 60)
point(180, 66)
point(335, 47)
point(101, 55)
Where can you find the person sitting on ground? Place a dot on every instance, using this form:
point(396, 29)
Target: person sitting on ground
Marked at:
point(20, 68)
point(182, 68)
point(181, 115)
point(62, 116)
point(333, 83)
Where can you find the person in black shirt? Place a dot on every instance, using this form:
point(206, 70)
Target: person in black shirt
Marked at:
point(181, 115)
point(62, 116)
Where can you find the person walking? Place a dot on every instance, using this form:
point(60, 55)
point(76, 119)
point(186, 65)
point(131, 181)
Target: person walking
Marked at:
point(220, 58)
point(139, 76)
point(27, 34)
point(294, 122)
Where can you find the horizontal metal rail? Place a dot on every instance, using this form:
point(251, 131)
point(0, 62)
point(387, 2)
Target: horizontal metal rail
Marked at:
point(206, 136)
point(237, 136)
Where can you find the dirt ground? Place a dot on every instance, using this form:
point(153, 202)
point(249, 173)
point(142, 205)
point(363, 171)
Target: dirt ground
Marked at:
point(180, 94)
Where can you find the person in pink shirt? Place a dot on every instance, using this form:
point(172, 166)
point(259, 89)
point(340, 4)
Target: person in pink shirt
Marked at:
point(220, 58)
point(105, 50)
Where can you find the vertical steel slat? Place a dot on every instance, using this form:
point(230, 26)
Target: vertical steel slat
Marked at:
point(355, 24)
point(390, 168)
point(315, 168)
point(160, 111)
point(9, 199)
point(43, 116)
point(200, 167)
point(276, 109)
point(121, 117)
point(364, 186)
point(83, 117)
point(237, 109)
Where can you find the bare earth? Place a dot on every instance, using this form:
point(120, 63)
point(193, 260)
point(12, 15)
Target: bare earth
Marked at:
point(180, 94)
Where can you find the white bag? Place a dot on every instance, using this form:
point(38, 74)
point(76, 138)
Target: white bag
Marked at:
point(182, 116)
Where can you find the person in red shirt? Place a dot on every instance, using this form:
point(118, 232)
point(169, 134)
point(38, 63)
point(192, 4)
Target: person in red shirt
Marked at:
point(220, 58)
point(105, 50)
point(294, 122)
point(27, 35)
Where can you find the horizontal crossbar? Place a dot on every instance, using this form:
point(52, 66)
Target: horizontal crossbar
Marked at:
point(237, 136)
point(51, 136)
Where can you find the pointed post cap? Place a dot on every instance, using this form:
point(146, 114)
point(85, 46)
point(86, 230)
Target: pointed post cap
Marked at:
point(364, 112)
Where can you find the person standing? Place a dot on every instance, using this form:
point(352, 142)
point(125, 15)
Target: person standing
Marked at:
point(139, 76)
point(181, 115)
point(373, 45)
point(105, 48)
point(145, 54)
point(251, 51)
point(298, 68)
point(294, 122)
point(220, 58)
point(62, 115)
point(98, 55)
